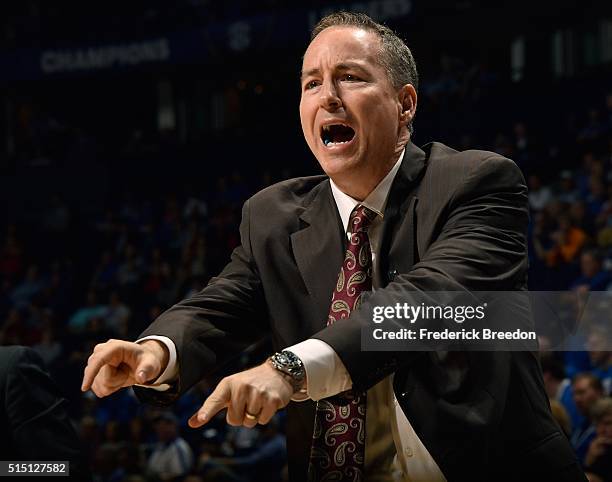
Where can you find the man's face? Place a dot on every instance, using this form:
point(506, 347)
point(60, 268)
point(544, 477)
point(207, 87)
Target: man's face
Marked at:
point(351, 115)
point(589, 265)
point(604, 427)
point(585, 395)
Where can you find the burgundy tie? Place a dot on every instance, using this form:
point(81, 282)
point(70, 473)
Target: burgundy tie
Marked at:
point(338, 441)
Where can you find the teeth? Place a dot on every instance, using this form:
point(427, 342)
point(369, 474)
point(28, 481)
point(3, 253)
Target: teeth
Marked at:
point(326, 129)
point(328, 126)
point(328, 142)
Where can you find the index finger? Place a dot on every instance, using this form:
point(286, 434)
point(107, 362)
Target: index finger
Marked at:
point(217, 401)
point(95, 362)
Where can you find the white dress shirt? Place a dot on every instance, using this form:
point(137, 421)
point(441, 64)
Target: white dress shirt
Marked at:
point(401, 456)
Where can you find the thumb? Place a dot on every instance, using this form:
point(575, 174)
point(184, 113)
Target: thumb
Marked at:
point(145, 370)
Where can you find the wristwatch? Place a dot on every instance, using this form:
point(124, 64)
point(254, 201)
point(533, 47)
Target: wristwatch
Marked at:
point(291, 368)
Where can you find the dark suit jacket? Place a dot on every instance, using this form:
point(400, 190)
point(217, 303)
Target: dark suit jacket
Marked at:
point(454, 221)
point(33, 419)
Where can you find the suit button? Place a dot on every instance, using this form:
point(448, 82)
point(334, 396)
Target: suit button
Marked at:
point(408, 451)
point(392, 274)
point(403, 395)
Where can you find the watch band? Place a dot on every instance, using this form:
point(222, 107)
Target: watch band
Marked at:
point(291, 367)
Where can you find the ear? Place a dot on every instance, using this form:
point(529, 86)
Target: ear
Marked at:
point(407, 98)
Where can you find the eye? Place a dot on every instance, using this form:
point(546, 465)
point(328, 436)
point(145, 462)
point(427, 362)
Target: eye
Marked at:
point(350, 78)
point(311, 84)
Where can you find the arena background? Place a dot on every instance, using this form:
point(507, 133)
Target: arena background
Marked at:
point(131, 133)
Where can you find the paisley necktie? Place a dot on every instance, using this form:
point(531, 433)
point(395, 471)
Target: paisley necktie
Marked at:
point(338, 443)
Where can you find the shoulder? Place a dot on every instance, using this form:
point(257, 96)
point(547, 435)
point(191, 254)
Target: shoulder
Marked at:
point(25, 381)
point(294, 191)
point(289, 198)
point(442, 159)
point(451, 171)
point(17, 357)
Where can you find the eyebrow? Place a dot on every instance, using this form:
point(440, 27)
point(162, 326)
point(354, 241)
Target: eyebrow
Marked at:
point(339, 67)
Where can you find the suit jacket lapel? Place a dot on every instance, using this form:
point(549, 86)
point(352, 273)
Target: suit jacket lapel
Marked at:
point(399, 226)
point(318, 249)
point(319, 246)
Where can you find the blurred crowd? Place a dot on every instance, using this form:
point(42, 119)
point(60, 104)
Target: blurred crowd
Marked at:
point(38, 23)
point(72, 280)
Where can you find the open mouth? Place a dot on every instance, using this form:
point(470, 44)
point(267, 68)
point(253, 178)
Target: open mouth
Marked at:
point(336, 134)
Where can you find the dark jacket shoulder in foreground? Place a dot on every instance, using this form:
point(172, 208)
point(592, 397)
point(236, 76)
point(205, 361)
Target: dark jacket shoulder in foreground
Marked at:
point(33, 419)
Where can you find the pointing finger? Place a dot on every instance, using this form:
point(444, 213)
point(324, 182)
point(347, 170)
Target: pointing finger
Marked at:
point(96, 361)
point(218, 400)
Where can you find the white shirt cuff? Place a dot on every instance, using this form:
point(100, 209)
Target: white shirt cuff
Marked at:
point(170, 374)
point(326, 375)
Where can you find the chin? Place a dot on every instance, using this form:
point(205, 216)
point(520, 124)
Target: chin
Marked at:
point(337, 166)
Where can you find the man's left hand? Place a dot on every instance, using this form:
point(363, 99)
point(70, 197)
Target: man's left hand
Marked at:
point(259, 392)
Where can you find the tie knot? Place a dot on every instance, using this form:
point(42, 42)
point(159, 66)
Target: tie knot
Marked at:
point(361, 218)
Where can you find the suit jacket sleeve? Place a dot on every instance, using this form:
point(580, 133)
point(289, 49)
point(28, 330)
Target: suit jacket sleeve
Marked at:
point(216, 324)
point(479, 244)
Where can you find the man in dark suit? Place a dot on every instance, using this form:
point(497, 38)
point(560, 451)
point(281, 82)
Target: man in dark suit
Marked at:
point(33, 421)
point(415, 220)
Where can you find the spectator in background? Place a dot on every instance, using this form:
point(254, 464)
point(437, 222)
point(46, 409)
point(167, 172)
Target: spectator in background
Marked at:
point(129, 272)
point(559, 388)
point(601, 359)
point(568, 240)
point(195, 208)
point(540, 243)
point(580, 217)
point(117, 315)
point(558, 250)
point(596, 197)
point(105, 273)
point(80, 319)
point(539, 195)
point(523, 148)
point(598, 459)
point(604, 222)
point(24, 292)
point(567, 192)
point(49, 348)
point(587, 389)
point(592, 276)
point(172, 456)
point(264, 463)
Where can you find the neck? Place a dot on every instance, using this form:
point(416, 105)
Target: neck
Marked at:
point(359, 184)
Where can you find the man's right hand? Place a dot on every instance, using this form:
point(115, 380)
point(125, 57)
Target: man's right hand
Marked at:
point(117, 364)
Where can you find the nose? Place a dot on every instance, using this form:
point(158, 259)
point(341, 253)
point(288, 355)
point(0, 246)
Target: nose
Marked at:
point(330, 100)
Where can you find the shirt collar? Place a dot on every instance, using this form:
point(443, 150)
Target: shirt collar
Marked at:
point(376, 200)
